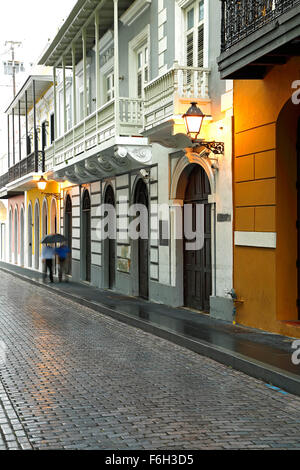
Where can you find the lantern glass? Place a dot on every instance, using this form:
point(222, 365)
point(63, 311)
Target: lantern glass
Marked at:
point(42, 184)
point(193, 119)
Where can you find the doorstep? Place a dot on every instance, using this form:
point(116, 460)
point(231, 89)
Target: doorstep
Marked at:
point(263, 355)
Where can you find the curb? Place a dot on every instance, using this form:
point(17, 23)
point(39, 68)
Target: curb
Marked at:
point(257, 369)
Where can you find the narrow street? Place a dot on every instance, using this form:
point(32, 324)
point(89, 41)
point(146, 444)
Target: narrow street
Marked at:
point(75, 379)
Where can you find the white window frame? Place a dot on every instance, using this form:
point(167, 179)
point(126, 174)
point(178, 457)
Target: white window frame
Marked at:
point(181, 9)
point(143, 38)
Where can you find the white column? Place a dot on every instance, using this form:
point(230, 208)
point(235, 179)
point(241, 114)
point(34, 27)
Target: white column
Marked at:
point(84, 73)
point(55, 103)
point(65, 94)
point(74, 108)
point(97, 52)
point(116, 65)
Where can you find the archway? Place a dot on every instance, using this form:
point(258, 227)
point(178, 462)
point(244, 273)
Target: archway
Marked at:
point(16, 235)
point(37, 235)
point(86, 236)
point(44, 218)
point(30, 235)
point(68, 229)
point(288, 213)
point(197, 261)
point(22, 236)
point(141, 197)
point(10, 238)
point(110, 241)
point(53, 217)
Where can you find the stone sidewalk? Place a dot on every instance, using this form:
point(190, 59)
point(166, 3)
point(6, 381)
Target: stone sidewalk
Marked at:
point(260, 354)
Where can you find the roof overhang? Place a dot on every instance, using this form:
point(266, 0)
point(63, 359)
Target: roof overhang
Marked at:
point(42, 84)
point(81, 17)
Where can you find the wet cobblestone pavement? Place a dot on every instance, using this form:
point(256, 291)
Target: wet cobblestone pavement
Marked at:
point(75, 379)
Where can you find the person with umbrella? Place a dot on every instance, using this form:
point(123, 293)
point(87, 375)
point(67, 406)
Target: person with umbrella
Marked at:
point(62, 253)
point(47, 258)
point(48, 253)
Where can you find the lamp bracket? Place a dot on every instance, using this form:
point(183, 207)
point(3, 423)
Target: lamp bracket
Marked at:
point(57, 196)
point(215, 147)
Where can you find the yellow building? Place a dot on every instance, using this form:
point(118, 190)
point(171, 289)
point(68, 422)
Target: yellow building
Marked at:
point(265, 65)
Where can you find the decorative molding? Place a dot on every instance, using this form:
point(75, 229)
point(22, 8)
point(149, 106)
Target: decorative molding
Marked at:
point(134, 11)
point(255, 239)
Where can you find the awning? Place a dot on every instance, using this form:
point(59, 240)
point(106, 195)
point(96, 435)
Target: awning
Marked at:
point(42, 84)
point(82, 16)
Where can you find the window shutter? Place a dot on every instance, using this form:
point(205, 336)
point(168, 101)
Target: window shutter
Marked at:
point(201, 46)
point(190, 50)
point(139, 84)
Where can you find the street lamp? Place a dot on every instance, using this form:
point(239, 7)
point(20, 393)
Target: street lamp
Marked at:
point(42, 183)
point(193, 120)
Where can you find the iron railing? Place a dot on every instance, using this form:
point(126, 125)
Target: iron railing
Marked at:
point(27, 165)
point(240, 18)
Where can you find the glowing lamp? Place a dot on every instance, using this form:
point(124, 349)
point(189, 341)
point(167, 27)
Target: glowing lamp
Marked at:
point(42, 183)
point(193, 119)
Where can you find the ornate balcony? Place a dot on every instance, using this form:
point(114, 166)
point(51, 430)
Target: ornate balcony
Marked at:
point(256, 35)
point(169, 95)
point(94, 131)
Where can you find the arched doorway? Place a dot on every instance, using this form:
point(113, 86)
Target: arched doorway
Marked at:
point(22, 236)
point(287, 215)
point(141, 197)
point(37, 235)
point(68, 229)
point(44, 218)
point(53, 218)
point(86, 236)
point(16, 237)
point(10, 236)
point(197, 262)
point(30, 236)
point(110, 242)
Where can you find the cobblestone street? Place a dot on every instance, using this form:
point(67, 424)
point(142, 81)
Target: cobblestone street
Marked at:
point(75, 379)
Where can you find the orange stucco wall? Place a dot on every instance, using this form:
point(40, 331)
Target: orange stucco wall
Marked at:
point(265, 198)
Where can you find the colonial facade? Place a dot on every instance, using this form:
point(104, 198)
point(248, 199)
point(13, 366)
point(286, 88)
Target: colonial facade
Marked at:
point(261, 54)
point(107, 128)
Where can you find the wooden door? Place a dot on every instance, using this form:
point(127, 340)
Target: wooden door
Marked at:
point(68, 230)
point(86, 212)
point(197, 263)
point(110, 244)
point(143, 245)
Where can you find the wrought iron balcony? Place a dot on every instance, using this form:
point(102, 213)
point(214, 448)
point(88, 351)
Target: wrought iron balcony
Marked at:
point(242, 18)
point(252, 30)
point(24, 167)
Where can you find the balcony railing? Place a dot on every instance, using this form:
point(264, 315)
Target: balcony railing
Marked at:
point(180, 82)
point(22, 168)
point(95, 129)
point(240, 18)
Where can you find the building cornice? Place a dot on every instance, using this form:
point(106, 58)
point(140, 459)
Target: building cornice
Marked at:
point(134, 11)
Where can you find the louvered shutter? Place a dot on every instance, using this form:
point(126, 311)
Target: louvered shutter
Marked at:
point(201, 46)
point(190, 50)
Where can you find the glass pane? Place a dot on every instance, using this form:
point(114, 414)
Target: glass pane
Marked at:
point(139, 60)
point(146, 75)
point(190, 19)
point(201, 10)
point(146, 55)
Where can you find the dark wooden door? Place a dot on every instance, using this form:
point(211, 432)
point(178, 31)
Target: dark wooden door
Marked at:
point(86, 212)
point(197, 263)
point(143, 244)
point(111, 242)
point(68, 230)
point(298, 214)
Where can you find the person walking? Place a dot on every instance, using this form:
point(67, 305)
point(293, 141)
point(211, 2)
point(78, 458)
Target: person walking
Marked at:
point(47, 258)
point(62, 253)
